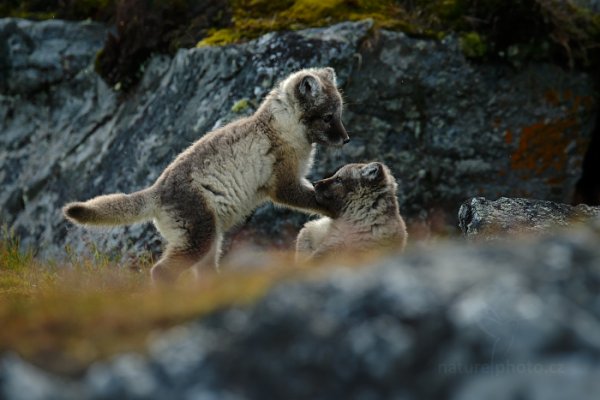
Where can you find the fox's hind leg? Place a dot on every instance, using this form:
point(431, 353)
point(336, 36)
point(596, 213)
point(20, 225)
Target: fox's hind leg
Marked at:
point(212, 257)
point(192, 238)
point(172, 263)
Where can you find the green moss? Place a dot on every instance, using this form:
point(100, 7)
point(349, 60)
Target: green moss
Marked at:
point(252, 18)
point(220, 37)
point(240, 105)
point(472, 45)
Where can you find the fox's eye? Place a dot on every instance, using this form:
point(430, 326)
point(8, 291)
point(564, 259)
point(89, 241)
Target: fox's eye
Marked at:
point(327, 118)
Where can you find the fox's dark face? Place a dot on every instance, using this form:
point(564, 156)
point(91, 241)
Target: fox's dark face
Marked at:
point(320, 103)
point(350, 183)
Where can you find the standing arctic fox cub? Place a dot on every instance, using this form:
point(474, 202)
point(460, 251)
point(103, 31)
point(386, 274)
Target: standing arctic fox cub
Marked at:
point(225, 175)
point(366, 213)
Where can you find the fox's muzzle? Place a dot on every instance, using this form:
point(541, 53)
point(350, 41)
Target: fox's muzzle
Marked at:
point(341, 131)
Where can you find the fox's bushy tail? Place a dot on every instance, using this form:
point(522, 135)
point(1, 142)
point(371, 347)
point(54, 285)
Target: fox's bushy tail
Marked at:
point(113, 209)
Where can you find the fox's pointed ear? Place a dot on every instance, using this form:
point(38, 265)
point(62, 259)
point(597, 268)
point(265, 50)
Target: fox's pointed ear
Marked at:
point(309, 86)
point(372, 171)
point(330, 75)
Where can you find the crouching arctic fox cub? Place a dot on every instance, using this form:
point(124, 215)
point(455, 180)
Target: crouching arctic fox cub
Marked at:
point(220, 179)
point(367, 216)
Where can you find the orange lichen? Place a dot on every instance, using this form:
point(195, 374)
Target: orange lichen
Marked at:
point(542, 146)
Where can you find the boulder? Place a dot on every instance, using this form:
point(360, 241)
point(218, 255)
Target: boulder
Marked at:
point(480, 218)
point(448, 128)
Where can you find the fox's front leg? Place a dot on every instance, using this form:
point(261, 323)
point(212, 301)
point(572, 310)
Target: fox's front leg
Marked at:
point(299, 194)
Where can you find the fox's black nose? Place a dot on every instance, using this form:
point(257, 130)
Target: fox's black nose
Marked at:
point(346, 140)
point(318, 184)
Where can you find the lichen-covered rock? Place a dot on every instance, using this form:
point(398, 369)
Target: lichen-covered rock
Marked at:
point(480, 218)
point(448, 129)
point(450, 322)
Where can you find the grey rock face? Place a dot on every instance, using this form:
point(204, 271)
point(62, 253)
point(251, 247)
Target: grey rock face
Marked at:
point(51, 104)
point(448, 129)
point(38, 55)
point(455, 321)
point(480, 218)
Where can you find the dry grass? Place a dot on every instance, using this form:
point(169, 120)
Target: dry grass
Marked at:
point(63, 317)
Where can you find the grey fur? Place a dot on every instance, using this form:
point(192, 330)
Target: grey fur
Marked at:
point(367, 217)
point(225, 175)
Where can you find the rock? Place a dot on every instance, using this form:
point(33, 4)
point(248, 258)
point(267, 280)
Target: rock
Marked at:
point(509, 319)
point(51, 102)
point(448, 128)
point(128, 376)
point(37, 55)
point(480, 218)
point(21, 381)
point(550, 379)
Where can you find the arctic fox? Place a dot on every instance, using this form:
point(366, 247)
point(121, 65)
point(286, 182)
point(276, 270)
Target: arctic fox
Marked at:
point(366, 213)
point(225, 175)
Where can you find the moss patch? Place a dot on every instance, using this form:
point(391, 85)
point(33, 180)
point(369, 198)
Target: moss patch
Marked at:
point(252, 18)
point(472, 45)
point(240, 105)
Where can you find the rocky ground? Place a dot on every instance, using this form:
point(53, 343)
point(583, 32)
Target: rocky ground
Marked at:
point(482, 219)
point(504, 320)
point(449, 128)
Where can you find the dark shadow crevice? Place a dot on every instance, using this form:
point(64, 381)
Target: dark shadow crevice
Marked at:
point(587, 189)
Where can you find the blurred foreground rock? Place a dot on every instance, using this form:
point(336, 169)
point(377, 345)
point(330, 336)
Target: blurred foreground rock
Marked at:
point(444, 125)
point(508, 320)
point(480, 218)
